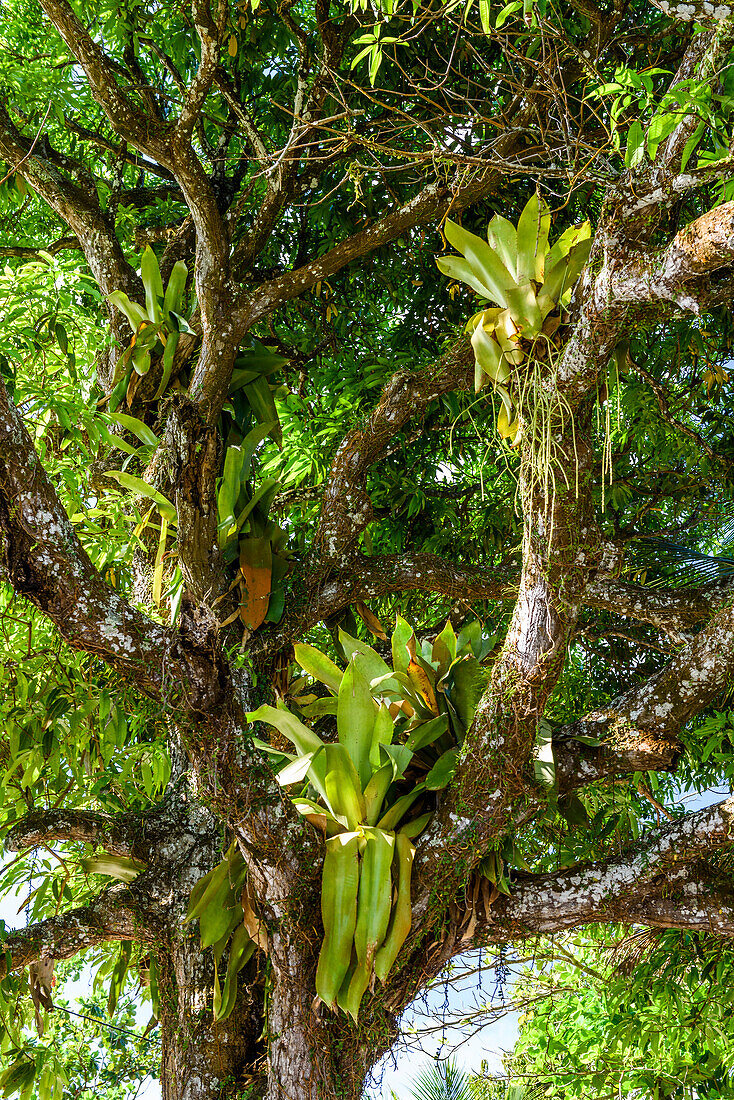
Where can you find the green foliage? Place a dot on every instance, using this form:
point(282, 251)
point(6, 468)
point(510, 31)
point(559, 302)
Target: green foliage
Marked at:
point(530, 280)
point(75, 736)
point(633, 93)
point(631, 1011)
point(442, 1081)
point(221, 908)
point(94, 1048)
point(393, 725)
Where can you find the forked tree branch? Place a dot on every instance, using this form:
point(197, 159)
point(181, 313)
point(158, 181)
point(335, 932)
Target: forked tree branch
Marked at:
point(673, 610)
point(210, 29)
point(662, 881)
point(26, 252)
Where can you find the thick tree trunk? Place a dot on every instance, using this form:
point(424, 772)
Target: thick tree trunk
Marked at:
point(316, 1054)
point(202, 1060)
point(312, 1054)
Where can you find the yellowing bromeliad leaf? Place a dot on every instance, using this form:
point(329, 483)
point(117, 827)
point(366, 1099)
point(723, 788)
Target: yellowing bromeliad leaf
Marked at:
point(138, 428)
point(488, 357)
point(532, 240)
point(343, 788)
point(561, 275)
point(567, 240)
point(304, 739)
point(507, 429)
point(256, 565)
point(375, 791)
point(135, 313)
point(368, 660)
point(524, 309)
point(370, 620)
point(118, 867)
point(456, 267)
point(423, 686)
point(507, 336)
point(486, 265)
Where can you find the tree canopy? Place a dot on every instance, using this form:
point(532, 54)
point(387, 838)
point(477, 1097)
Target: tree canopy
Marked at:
point(365, 526)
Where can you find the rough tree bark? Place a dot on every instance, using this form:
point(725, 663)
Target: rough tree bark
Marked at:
point(278, 1043)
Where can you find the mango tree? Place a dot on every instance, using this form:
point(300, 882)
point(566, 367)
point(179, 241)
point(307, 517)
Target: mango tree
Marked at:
point(340, 640)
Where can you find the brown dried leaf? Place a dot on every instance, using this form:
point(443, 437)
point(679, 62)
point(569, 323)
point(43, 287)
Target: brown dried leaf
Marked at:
point(253, 923)
point(40, 980)
point(371, 621)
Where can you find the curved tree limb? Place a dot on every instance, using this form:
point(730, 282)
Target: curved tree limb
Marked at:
point(428, 206)
point(620, 888)
point(671, 697)
point(45, 562)
point(113, 915)
point(24, 252)
point(346, 508)
point(661, 882)
point(77, 206)
point(115, 834)
point(672, 610)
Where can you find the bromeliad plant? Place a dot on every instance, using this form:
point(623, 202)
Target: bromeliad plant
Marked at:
point(156, 328)
point(249, 537)
point(226, 920)
point(531, 283)
point(398, 733)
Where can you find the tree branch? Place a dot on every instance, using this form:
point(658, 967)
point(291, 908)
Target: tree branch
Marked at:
point(671, 697)
point(623, 887)
point(23, 252)
point(75, 205)
point(113, 915)
point(428, 206)
point(210, 30)
point(382, 575)
point(672, 610)
point(144, 131)
point(661, 881)
point(114, 834)
point(44, 561)
point(346, 509)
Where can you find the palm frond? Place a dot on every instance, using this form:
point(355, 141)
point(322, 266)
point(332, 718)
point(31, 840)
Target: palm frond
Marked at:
point(442, 1081)
point(678, 565)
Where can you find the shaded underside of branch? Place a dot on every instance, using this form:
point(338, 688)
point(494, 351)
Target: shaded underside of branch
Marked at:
point(113, 915)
